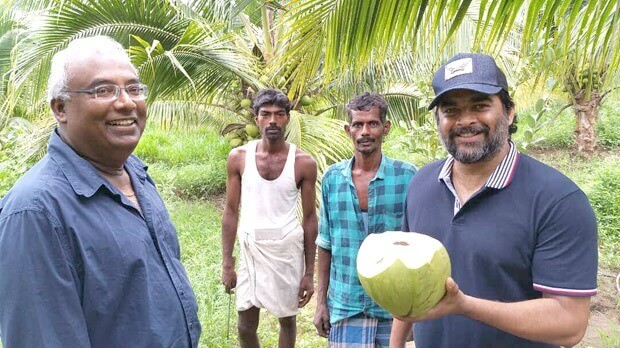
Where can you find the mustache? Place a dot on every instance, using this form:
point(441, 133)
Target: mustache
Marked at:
point(365, 138)
point(273, 128)
point(469, 129)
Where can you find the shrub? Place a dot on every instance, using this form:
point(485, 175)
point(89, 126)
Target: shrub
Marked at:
point(604, 196)
point(419, 145)
point(190, 164)
point(200, 180)
point(607, 128)
point(558, 133)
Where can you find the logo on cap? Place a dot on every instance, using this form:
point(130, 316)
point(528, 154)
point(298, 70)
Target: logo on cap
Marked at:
point(459, 67)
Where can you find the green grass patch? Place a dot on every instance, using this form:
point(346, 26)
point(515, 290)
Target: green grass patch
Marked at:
point(177, 148)
point(190, 164)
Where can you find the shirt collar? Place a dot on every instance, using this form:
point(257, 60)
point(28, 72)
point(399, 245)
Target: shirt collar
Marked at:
point(81, 174)
point(501, 176)
point(346, 171)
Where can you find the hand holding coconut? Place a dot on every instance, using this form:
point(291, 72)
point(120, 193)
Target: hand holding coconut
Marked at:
point(452, 303)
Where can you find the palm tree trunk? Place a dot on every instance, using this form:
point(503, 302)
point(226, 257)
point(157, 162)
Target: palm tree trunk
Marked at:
point(586, 112)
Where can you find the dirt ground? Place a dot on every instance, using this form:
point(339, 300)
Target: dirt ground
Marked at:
point(604, 312)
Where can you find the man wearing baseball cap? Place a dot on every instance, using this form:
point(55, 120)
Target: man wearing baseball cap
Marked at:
point(522, 237)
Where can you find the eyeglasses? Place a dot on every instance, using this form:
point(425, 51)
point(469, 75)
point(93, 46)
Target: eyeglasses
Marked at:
point(136, 91)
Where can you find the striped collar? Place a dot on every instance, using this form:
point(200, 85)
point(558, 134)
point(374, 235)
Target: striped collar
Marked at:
point(501, 176)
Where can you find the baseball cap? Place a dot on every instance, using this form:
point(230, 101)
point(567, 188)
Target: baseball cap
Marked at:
point(472, 71)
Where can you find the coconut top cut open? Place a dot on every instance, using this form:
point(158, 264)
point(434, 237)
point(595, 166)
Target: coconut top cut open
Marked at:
point(381, 250)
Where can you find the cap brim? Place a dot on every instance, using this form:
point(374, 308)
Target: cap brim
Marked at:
point(478, 87)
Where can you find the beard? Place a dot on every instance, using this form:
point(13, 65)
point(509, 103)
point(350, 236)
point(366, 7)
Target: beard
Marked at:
point(472, 153)
point(273, 136)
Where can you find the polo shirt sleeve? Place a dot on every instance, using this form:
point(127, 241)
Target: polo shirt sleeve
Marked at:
point(323, 239)
point(40, 303)
point(565, 258)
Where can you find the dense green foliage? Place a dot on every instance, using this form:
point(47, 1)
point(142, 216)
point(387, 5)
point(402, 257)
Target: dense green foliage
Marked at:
point(605, 198)
point(559, 132)
point(191, 164)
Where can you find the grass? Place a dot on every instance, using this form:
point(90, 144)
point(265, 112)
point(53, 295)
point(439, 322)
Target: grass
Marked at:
point(190, 163)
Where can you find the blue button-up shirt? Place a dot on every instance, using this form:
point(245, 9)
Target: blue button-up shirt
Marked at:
point(342, 229)
point(80, 266)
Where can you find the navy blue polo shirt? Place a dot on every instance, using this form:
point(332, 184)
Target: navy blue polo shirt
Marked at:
point(528, 230)
point(80, 266)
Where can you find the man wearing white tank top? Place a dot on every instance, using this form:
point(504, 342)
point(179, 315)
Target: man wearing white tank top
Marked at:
point(277, 253)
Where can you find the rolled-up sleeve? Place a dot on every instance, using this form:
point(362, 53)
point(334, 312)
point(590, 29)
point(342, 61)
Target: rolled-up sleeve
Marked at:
point(39, 287)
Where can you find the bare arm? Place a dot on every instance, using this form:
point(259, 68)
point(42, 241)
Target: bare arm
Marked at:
point(307, 166)
point(321, 317)
point(230, 217)
point(401, 330)
point(553, 319)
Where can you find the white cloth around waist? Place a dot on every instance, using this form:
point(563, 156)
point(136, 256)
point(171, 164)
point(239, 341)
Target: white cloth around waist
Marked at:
point(270, 271)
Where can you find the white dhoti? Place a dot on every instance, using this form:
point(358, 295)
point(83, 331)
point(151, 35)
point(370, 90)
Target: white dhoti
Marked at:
point(270, 271)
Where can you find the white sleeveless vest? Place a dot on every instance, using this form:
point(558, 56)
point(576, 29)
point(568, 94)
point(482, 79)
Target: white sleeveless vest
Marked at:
point(268, 207)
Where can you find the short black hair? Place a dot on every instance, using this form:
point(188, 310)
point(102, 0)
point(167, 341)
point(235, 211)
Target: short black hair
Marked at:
point(508, 104)
point(271, 96)
point(365, 101)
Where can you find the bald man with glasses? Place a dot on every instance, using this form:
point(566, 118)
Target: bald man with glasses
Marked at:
point(88, 254)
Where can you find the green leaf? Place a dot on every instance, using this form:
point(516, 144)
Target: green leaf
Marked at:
point(540, 105)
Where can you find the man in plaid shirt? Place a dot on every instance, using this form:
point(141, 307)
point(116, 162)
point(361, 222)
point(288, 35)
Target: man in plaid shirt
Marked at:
point(362, 195)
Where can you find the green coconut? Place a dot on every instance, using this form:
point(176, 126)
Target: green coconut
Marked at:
point(252, 130)
point(245, 103)
point(236, 142)
point(404, 272)
point(306, 100)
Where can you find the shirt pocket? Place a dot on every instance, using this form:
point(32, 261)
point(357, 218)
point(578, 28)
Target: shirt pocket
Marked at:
point(389, 221)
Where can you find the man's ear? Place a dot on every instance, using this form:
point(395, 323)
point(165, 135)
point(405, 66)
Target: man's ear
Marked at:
point(386, 128)
point(58, 108)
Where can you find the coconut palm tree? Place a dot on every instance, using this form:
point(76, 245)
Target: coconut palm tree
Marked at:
point(202, 57)
point(198, 61)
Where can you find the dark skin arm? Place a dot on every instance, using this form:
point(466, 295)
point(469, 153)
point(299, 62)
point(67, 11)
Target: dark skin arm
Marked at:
point(230, 217)
point(321, 317)
point(307, 169)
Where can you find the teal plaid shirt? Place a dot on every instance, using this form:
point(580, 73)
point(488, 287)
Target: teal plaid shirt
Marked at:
point(341, 229)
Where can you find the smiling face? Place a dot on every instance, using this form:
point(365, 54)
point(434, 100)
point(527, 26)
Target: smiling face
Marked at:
point(102, 130)
point(473, 126)
point(366, 130)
